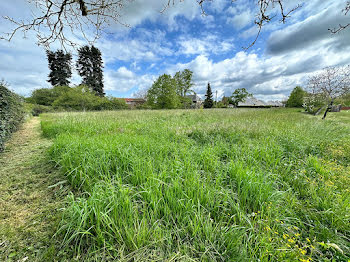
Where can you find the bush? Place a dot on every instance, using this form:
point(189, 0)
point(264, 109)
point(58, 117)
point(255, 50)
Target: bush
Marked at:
point(81, 98)
point(40, 109)
point(11, 113)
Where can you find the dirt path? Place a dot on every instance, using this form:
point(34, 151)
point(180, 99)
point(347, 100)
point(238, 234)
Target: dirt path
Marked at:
point(29, 198)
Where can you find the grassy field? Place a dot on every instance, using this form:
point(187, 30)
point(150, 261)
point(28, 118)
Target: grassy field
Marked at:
point(204, 185)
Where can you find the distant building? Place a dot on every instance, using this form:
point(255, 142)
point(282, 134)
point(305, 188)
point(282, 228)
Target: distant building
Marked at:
point(196, 100)
point(253, 102)
point(133, 102)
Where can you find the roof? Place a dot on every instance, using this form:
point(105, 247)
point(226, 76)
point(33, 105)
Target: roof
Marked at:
point(252, 101)
point(134, 99)
point(194, 98)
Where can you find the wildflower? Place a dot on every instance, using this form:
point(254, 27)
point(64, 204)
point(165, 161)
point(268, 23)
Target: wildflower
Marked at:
point(308, 240)
point(291, 240)
point(297, 235)
point(303, 252)
point(276, 232)
point(268, 228)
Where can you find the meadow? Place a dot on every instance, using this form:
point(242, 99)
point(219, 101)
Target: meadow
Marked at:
point(204, 185)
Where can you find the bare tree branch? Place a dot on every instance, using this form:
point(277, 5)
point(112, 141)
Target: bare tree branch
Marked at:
point(54, 19)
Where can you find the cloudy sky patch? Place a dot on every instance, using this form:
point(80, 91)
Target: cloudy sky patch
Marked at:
point(210, 45)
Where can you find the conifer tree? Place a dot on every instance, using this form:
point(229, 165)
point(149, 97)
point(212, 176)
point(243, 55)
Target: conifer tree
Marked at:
point(90, 68)
point(60, 67)
point(208, 102)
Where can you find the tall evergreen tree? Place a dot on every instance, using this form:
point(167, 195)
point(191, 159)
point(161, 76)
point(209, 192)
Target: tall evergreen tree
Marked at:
point(90, 68)
point(60, 67)
point(208, 102)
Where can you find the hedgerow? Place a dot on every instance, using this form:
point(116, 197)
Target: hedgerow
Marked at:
point(11, 113)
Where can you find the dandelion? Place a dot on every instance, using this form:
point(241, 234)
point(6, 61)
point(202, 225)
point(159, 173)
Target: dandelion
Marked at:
point(308, 240)
point(303, 252)
point(291, 240)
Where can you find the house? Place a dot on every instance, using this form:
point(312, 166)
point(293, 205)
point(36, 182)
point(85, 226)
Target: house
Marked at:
point(196, 100)
point(253, 102)
point(133, 102)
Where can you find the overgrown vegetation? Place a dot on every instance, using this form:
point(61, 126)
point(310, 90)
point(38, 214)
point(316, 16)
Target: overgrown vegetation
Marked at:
point(204, 185)
point(80, 98)
point(11, 113)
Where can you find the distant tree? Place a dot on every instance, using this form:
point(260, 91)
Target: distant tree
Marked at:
point(163, 94)
point(239, 95)
point(225, 100)
point(184, 82)
point(90, 68)
point(331, 83)
point(208, 101)
point(296, 98)
point(60, 67)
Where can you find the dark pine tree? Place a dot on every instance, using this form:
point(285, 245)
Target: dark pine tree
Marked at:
point(60, 67)
point(208, 102)
point(90, 68)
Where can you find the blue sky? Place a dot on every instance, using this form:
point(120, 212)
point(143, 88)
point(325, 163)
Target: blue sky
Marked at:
point(211, 46)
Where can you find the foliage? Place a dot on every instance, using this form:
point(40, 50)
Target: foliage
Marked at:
point(204, 185)
point(40, 109)
point(208, 101)
point(314, 102)
point(239, 95)
point(46, 96)
point(296, 98)
point(184, 82)
point(71, 98)
point(331, 83)
point(162, 94)
point(60, 67)
point(11, 113)
point(82, 98)
point(90, 68)
point(344, 100)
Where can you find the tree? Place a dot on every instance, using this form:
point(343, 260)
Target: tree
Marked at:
point(239, 95)
point(296, 98)
point(184, 82)
point(89, 66)
point(55, 17)
point(208, 101)
point(163, 94)
point(60, 67)
point(331, 83)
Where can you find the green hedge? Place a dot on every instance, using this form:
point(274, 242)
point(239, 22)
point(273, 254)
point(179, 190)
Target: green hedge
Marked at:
point(11, 113)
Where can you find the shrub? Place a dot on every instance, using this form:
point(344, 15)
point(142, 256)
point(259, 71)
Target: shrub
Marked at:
point(11, 113)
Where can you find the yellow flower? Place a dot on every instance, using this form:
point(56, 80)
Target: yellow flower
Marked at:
point(308, 240)
point(291, 240)
point(297, 235)
point(303, 252)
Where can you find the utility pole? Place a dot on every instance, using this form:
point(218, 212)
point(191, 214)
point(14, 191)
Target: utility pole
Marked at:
point(216, 99)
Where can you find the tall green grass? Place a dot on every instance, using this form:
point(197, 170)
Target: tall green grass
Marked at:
point(204, 185)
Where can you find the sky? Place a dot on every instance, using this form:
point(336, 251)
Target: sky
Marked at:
point(210, 45)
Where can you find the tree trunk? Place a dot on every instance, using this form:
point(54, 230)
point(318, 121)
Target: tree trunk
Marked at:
point(329, 107)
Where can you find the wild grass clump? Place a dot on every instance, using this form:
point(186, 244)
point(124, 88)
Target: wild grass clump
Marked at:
point(212, 185)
